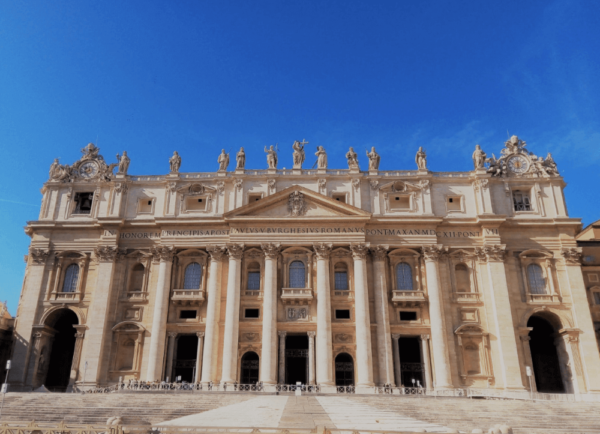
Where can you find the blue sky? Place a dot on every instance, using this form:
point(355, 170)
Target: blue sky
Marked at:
point(196, 76)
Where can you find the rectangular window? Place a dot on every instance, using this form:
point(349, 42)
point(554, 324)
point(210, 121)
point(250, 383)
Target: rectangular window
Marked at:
point(341, 280)
point(252, 313)
point(188, 314)
point(342, 314)
point(254, 197)
point(593, 277)
point(408, 316)
point(589, 259)
point(400, 202)
point(340, 197)
point(83, 203)
point(521, 200)
point(454, 203)
point(254, 280)
point(195, 203)
point(145, 206)
point(597, 298)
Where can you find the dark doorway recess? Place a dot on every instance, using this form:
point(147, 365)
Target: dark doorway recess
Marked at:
point(296, 359)
point(250, 365)
point(344, 370)
point(546, 365)
point(185, 359)
point(63, 347)
point(411, 363)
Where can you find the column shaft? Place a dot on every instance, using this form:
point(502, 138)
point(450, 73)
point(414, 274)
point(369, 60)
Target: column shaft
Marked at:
point(311, 358)
point(268, 361)
point(425, 356)
point(161, 309)
point(324, 345)
point(382, 317)
point(198, 373)
point(170, 357)
point(282, 357)
point(364, 357)
point(232, 314)
point(397, 366)
point(76, 356)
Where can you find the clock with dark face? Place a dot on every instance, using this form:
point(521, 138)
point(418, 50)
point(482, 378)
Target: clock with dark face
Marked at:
point(518, 164)
point(88, 169)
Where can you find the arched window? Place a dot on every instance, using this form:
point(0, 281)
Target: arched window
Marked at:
point(297, 275)
point(137, 278)
point(254, 276)
point(537, 283)
point(404, 280)
point(341, 276)
point(249, 368)
point(71, 278)
point(344, 370)
point(193, 276)
point(463, 281)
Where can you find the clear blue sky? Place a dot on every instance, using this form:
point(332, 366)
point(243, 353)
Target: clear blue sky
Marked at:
point(196, 76)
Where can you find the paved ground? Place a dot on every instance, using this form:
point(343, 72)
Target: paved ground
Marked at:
point(305, 412)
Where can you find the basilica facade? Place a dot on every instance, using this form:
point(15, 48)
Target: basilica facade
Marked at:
point(329, 277)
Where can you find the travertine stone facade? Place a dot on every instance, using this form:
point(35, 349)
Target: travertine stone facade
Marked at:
point(326, 276)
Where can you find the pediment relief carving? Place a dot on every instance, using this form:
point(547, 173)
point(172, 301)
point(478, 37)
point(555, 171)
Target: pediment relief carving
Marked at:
point(195, 189)
point(404, 186)
point(471, 329)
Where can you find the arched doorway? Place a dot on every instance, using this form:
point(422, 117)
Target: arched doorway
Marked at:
point(344, 370)
point(61, 352)
point(249, 374)
point(544, 355)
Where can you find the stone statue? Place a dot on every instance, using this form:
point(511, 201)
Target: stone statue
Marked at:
point(223, 161)
point(271, 157)
point(53, 168)
point(352, 159)
point(421, 159)
point(373, 159)
point(59, 172)
point(497, 167)
point(241, 159)
point(550, 165)
point(90, 152)
point(299, 155)
point(123, 163)
point(479, 157)
point(175, 162)
point(321, 158)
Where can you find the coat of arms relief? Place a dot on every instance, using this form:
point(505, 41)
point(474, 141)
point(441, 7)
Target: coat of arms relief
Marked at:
point(296, 204)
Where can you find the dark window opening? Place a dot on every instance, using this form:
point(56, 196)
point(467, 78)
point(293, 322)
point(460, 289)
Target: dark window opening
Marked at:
point(252, 313)
point(185, 358)
point(344, 370)
point(296, 359)
point(83, 203)
point(188, 314)
point(544, 355)
point(411, 367)
point(408, 316)
point(249, 369)
point(342, 314)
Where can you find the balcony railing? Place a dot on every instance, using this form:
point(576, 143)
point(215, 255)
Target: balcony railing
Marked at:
point(136, 296)
point(408, 298)
point(292, 295)
point(187, 297)
point(253, 293)
point(65, 297)
point(343, 293)
point(543, 298)
point(467, 297)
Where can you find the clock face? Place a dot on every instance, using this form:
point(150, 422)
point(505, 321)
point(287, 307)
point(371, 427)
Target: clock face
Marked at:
point(518, 164)
point(88, 169)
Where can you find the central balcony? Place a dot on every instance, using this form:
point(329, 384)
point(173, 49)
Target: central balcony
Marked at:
point(296, 295)
point(408, 298)
point(187, 297)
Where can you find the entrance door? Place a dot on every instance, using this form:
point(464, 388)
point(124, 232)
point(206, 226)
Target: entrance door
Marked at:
point(185, 358)
point(344, 370)
point(249, 374)
point(61, 355)
point(546, 367)
point(296, 359)
point(411, 364)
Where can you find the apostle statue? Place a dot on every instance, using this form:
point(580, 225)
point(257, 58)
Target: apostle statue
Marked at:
point(421, 159)
point(373, 159)
point(175, 162)
point(271, 157)
point(550, 165)
point(299, 155)
point(352, 159)
point(123, 163)
point(479, 157)
point(321, 158)
point(59, 172)
point(241, 159)
point(223, 161)
point(54, 167)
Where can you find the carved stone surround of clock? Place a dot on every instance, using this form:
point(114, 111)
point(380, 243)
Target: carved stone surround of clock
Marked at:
point(515, 160)
point(90, 167)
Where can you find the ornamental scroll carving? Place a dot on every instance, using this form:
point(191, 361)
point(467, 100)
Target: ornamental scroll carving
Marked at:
point(38, 256)
point(360, 250)
point(251, 337)
point(491, 253)
point(379, 252)
point(343, 337)
point(322, 250)
point(235, 251)
point(433, 253)
point(271, 250)
point(216, 252)
point(572, 256)
point(105, 253)
point(162, 253)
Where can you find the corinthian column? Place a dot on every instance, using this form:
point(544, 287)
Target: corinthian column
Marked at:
point(324, 344)
point(198, 371)
point(311, 358)
point(382, 316)
point(441, 364)
point(364, 357)
point(163, 255)
point(232, 313)
point(268, 360)
point(170, 356)
point(213, 307)
point(282, 357)
point(397, 366)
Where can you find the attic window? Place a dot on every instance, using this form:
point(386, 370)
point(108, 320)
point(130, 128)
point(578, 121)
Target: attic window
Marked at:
point(83, 203)
point(340, 197)
point(195, 203)
point(454, 203)
point(521, 200)
point(145, 206)
point(254, 197)
point(400, 202)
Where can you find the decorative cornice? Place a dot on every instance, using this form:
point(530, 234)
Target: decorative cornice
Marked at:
point(271, 250)
point(235, 251)
point(433, 253)
point(38, 256)
point(379, 252)
point(105, 253)
point(322, 250)
point(162, 253)
point(359, 250)
point(572, 256)
point(216, 252)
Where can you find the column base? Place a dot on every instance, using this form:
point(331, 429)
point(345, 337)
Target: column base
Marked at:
point(365, 390)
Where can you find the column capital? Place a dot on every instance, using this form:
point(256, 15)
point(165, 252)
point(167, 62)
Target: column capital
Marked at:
point(322, 250)
point(425, 337)
point(79, 335)
point(216, 252)
point(106, 253)
point(162, 253)
point(38, 256)
point(379, 252)
point(235, 251)
point(572, 256)
point(172, 334)
point(200, 334)
point(491, 253)
point(311, 334)
point(395, 337)
point(271, 250)
point(282, 334)
point(359, 250)
point(525, 338)
point(433, 252)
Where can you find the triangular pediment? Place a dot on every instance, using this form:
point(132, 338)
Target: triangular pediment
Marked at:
point(309, 205)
